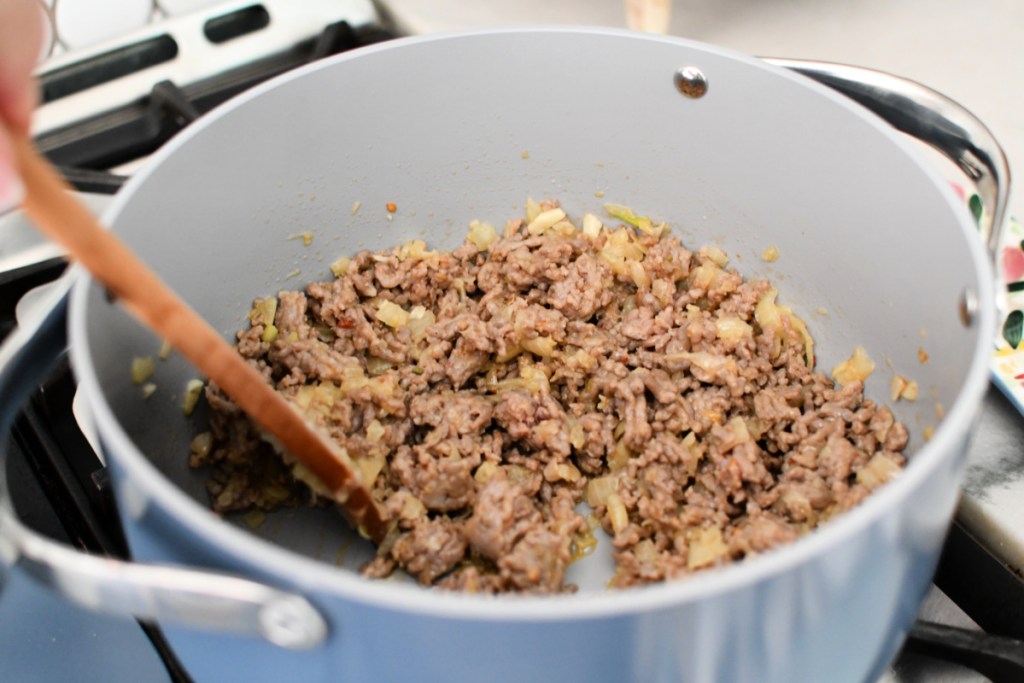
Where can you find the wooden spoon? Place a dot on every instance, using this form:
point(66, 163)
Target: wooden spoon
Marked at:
point(652, 16)
point(57, 213)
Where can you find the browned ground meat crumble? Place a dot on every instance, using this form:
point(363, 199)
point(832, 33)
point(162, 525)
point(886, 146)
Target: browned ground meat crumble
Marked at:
point(488, 391)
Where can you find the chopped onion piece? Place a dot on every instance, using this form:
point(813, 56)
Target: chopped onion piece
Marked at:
point(412, 508)
point(704, 275)
point(419, 320)
point(544, 221)
point(143, 368)
point(377, 366)
point(739, 429)
point(532, 209)
point(732, 329)
point(599, 489)
point(563, 228)
point(620, 248)
point(577, 437)
point(306, 476)
point(482, 235)
point(706, 547)
point(591, 225)
point(202, 444)
point(374, 431)
point(340, 267)
point(717, 256)
point(416, 250)
point(193, 390)
point(619, 456)
point(485, 471)
point(369, 468)
point(624, 213)
point(391, 314)
point(711, 363)
point(255, 518)
point(639, 276)
point(561, 471)
point(878, 470)
point(617, 513)
point(855, 368)
point(784, 323)
point(583, 543)
point(901, 387)
point(270, 333)
point(263, 311)
point(540, 346)
point(306, 237)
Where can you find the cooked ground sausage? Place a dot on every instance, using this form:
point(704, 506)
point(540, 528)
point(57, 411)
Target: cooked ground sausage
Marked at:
point(486, 392)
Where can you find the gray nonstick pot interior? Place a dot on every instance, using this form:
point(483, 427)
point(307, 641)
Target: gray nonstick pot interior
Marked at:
point(872, 250)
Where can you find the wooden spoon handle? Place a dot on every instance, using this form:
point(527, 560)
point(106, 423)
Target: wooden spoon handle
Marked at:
point(652, 16)
point(56, 212)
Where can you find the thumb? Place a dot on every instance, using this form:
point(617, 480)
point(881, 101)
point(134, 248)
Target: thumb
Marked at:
point(21, 30)
point(11, 188)
point(21, 34)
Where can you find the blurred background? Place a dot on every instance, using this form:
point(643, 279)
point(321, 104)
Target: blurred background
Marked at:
point(971, 50)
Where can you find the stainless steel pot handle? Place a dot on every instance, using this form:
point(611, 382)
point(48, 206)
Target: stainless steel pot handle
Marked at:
point(147, 592)
point(932, 118)
point(939, 122)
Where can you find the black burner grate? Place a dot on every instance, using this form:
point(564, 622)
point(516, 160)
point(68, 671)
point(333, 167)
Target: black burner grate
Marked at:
point(111, 138)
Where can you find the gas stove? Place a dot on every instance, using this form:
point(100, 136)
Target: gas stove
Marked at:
point(105, 109)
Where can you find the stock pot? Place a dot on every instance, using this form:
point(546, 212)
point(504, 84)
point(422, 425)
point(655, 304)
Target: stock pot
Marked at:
point(730, 150)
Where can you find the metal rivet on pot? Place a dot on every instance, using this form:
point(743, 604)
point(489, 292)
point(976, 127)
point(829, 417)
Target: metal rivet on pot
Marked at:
point(291, 622)
point(691, 81)
point(968, 307)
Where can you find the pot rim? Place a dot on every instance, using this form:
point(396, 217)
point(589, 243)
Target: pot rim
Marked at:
point(311, 574)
